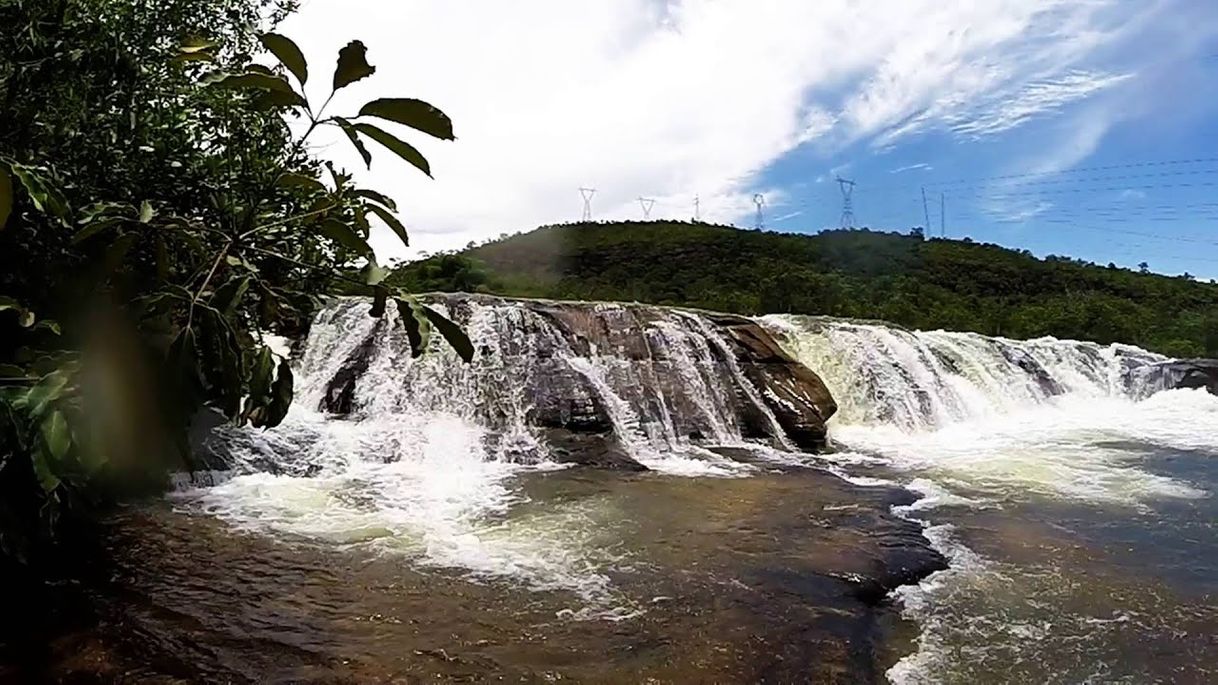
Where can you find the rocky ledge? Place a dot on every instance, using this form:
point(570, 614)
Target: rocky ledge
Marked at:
point(1182, 373)
point(590, 377)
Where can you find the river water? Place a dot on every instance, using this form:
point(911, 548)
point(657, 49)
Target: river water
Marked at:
point(1080, 521)
point(427, 537)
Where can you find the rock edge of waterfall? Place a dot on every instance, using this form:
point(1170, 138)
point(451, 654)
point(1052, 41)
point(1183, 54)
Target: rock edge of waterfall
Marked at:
point(576, 418)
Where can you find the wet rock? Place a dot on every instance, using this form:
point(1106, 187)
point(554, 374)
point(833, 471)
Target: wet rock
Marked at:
point(1184, 373)
point(340, 391)
point(796, 396)
point(589, 449)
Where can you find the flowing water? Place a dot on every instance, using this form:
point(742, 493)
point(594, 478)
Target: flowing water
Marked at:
point(1077, 507)
point(433, 530)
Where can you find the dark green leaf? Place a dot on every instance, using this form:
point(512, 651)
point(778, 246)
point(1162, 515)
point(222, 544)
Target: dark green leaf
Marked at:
point(229, 295)
point(93, 228)
point(6, 197)
point(399, 147)
point(380, 296)
point(261, 375)
point(302, 181)
point(392, 222)
point(42, 469)
point(352, 65)
point(9, 303)
point(288, 54)
point(344, 235)
point(416, 114)
point(377, 197)
point(359, 144)
point(195, 44)
point(263, 82)
point(452, 333)
point(418, 328)
point(11, 371)
point(55, 433)
point(117, 252)
point(49, 389)
point(48, 325)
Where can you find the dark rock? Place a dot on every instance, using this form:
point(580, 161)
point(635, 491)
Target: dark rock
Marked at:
point(796, 396)
point(589, 449)
point(340, 391)
point(1185, 373)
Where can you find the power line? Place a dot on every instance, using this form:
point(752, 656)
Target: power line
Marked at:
point(587, 194)
point(1075, 170)
point(647, 203)
point(847, 188)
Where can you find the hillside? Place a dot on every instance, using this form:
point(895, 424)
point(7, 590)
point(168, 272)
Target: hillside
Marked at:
point(927, 284)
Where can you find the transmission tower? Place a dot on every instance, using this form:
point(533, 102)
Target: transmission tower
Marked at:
point(587, 194)
point(647, 203)
point(847, 188)
point(697, 208)
point(759, 200)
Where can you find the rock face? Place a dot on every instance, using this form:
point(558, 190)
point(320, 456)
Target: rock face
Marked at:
point(598, 383)
point(1184, 373)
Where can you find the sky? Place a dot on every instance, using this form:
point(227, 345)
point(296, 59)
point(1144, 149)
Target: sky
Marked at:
point(1085, 128)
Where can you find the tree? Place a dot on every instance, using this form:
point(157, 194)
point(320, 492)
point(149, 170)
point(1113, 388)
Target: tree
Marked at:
point(156, 216)
point(1143, 267)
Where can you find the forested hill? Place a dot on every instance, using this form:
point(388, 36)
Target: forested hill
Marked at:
point(918, 283)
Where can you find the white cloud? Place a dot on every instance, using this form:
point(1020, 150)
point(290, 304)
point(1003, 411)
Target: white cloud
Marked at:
point(672, 99)
point(912, 167)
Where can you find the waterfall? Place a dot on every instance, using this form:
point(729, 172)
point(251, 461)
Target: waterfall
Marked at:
point(919, 380)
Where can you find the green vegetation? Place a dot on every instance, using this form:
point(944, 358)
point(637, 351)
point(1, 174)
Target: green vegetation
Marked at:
point(158, 214)
point(928, 284)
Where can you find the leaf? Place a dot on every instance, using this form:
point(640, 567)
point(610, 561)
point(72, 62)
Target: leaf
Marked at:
point(359, 144)
point(399, 147)
point(11, 371)
point(194, 57)
point(47, 390)
point(26, 319)
point(96, 227)
point(452, 333)
point(45, 197)
point(342, 234)
point(418, 328)
point(288, 54)
point(373, 273)
point(117, 252)
point(263, 82)
point(56, 435)
point(228, 296)
point(6, 197)
point(302, 181)
point(46, 477)
point(261, 375)
point(392, 222)
point(9, 303)
point(377, 197)
point(48, 325)
point(416, 114)
point(352, 65)
point(146, 212)
point(281, 395)
point(380, 296)
point(195, 44)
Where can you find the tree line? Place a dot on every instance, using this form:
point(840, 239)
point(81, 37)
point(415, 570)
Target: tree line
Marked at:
point(901, 278)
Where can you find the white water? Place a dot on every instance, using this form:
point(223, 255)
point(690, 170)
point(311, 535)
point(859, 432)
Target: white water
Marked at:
point(428, 465)
point(987, 423)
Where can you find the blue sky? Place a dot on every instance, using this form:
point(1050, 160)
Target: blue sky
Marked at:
point(1059, 127)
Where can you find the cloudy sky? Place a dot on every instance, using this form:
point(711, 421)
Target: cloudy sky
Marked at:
point(1085, 128)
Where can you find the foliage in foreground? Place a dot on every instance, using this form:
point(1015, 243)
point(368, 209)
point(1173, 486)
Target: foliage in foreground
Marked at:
point(157, 216)
point(926, 284)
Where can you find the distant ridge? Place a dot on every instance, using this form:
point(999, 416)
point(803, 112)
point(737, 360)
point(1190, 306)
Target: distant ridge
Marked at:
point(902, 278)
